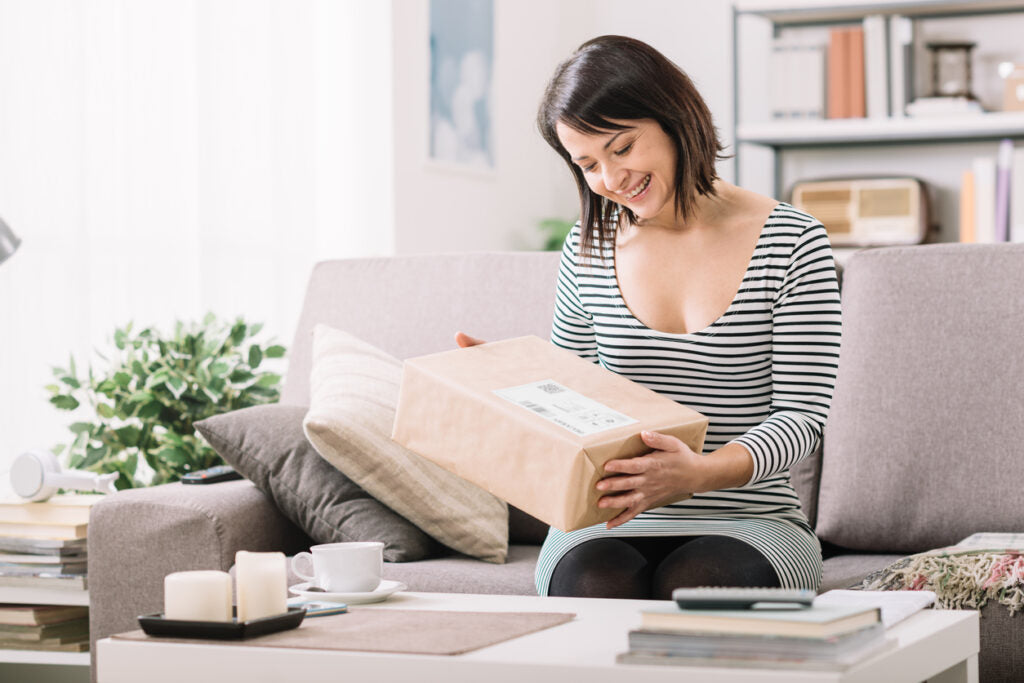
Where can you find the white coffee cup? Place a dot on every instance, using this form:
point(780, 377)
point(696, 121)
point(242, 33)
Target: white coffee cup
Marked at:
point(354, 567)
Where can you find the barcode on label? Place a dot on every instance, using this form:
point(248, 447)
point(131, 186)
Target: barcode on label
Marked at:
point(540, 410)
point(550, 388)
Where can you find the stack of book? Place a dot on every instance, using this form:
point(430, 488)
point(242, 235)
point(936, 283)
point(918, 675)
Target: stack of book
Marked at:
point(57, 628)
point(852, 71)
point(832, 637)
point(992, 197)
point(43, 545)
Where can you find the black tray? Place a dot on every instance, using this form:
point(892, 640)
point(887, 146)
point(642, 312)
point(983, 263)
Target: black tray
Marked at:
point(158, 625)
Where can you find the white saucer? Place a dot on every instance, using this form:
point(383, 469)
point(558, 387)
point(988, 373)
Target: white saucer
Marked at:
point(382, 592)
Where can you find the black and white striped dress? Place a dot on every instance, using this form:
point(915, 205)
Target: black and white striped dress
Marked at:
point(763, 374)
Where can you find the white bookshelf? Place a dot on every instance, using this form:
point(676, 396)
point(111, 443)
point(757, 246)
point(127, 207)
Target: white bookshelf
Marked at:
point(810, 11)
point(44, 663)
point(47, 658)
point(772, 154)
point(780, 134)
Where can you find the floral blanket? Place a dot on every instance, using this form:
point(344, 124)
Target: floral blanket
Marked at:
point(982, 567)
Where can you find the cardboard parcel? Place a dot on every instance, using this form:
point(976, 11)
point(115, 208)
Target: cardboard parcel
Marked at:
point(533, 424)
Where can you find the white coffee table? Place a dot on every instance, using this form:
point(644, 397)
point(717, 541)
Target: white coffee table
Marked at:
point(934, 645)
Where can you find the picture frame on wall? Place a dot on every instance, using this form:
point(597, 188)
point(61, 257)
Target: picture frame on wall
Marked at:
point(461, 74)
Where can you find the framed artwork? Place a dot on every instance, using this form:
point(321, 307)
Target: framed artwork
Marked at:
point(461, 67)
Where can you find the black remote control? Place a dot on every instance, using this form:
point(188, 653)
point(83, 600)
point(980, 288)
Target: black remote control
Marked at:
point(212, 475)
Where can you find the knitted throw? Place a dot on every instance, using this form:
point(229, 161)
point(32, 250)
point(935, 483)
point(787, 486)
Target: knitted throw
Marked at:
point(980, 568)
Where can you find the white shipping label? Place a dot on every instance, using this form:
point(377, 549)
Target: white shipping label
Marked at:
point(566, 408)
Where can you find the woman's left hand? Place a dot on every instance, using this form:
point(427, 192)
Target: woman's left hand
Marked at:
point(670, 472)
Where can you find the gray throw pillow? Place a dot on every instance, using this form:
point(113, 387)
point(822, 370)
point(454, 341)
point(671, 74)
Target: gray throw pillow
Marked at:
point(267, 446)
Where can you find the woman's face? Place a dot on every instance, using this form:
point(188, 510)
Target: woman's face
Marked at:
point(634, 167)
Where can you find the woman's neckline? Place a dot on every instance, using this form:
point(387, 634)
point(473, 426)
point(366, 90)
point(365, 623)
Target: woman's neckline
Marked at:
point(732, 303)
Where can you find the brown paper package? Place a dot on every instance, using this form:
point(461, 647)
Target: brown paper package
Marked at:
point(448, 412)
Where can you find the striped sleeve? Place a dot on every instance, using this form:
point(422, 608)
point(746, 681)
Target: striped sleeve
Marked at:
point(572, 327)
point(805, 333)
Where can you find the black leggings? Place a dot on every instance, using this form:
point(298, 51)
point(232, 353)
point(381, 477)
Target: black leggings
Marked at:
point(651, 567)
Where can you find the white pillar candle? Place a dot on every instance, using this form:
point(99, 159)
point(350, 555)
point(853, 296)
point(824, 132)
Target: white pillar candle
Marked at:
point(198, 596)
point(261, 585)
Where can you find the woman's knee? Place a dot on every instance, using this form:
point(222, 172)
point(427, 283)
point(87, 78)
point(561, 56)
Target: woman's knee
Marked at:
point(713, 561)
point(602, 568)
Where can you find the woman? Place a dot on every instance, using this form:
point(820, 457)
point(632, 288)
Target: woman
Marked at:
point(717, 297)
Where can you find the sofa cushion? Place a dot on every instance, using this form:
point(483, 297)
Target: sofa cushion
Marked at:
point(461, 574)
point(354, 392)
point(922, 438)
point(847, 571)
point(267, 446)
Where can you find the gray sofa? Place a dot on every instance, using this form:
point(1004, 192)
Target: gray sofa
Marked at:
point(919, 452)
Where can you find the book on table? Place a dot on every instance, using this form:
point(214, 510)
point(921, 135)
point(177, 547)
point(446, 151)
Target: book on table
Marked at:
point(43, 530)
point(48, 645)
point(825, 637)
point(40, 615)
point(36, 568)
point(64, 632)
point(66, 509)
point(814, 622)
point(56, 581)
point(42, 546)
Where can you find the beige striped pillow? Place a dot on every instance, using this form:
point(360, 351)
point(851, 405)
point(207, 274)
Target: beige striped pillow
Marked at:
point(353, 395)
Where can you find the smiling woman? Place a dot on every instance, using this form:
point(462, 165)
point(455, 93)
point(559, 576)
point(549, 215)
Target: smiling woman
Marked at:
point(712, 295)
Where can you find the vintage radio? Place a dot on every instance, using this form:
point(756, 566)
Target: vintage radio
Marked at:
point(867, 212)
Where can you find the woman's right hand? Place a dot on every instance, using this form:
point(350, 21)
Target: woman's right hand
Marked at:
point(464, 340)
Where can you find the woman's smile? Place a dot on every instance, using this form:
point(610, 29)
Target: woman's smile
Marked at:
point(638, 192)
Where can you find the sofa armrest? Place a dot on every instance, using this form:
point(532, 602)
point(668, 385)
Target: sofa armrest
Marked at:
point(138, 536)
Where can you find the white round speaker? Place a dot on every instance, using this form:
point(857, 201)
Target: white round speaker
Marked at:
point(36, 475)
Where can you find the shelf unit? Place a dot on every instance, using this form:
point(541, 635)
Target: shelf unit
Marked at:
point(47, 658)
point(771, 154)
point(43, 596)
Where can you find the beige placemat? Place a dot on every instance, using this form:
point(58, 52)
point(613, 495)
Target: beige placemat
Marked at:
point(400, 631)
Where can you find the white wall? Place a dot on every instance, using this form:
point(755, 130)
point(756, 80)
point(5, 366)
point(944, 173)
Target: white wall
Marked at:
point(165, 158)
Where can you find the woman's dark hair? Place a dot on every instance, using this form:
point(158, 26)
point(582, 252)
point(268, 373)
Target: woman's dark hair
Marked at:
point(615, 77)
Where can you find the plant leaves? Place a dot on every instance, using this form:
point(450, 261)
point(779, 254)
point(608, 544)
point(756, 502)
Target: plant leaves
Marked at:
point(119, 337)
point(71, 382)
point(268, 380)
point(79, 427)
point(104, 410)
point(275, 351)
point(219, 368)
point(65, 402)
point(94, 455)
point(255, 356)
point(237, 333)
point(129, 436)
point(123, 379)
point(174, 456)
point(177, 386)
point(240, 376)
point(150, 410)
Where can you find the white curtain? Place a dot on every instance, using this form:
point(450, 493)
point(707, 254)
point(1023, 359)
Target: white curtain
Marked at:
point(165, 158)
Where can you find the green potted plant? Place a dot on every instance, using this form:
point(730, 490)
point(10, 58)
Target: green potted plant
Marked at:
point(555, 231)
point(142, 407)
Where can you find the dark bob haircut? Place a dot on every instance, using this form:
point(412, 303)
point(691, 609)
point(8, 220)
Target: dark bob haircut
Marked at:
point(615, 77)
